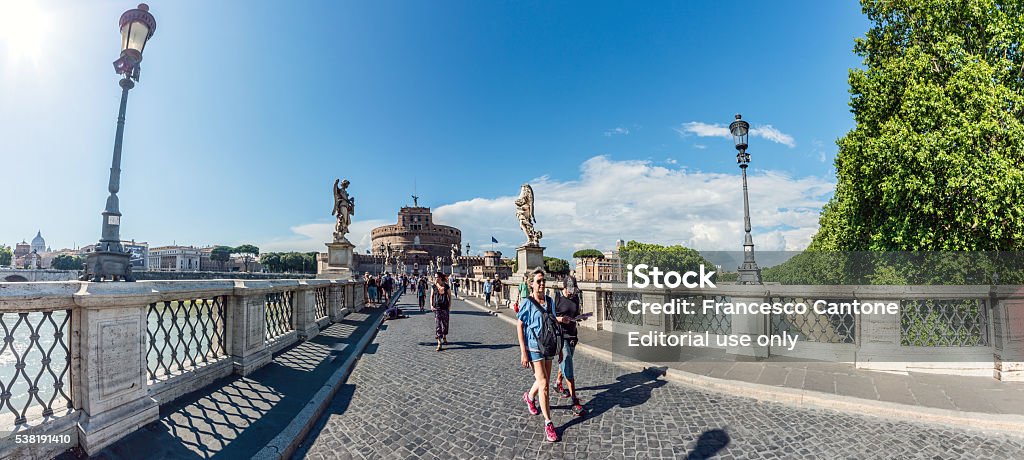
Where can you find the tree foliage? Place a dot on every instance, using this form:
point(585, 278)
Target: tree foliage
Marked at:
point(676, 258)
point(585, 253)
point(248, 252)
point(6, 255)
point(936, 160)
point(297, 262)
point(221, 254)
point(67, 262)
point(556, 266)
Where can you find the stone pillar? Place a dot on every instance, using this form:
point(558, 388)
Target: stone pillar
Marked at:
point(355, 296)
point(529, 258)
point(878, 342)
point(305, 311)
point(340, 261)
point(752, 325)
point(113, 347)
point(589, 304)
point(247, 329)
point(1008, 337)
point(337, 308)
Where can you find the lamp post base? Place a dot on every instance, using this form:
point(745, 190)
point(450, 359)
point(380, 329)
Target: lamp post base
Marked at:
point(749, 274)
point(108, 266)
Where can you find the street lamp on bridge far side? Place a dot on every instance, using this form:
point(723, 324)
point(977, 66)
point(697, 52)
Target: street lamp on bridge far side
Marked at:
point(749, 273)
point(110, 261)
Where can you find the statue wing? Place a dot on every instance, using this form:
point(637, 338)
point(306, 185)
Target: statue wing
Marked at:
point(529, 204)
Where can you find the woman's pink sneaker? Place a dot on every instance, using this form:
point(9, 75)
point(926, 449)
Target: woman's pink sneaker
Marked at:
point(549, 432)
point(530, 404)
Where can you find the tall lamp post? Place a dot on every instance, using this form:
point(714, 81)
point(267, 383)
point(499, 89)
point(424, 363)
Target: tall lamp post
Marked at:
point(748, 271)
point(110, 261)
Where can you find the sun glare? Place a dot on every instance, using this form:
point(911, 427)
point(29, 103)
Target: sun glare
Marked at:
point(23, 30)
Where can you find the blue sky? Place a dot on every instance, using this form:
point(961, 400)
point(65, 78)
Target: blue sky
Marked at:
point(246, 112)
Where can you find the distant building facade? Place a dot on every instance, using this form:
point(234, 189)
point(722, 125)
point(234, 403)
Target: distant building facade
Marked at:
point(174, 259)
point(415, 239)
point(608, 268)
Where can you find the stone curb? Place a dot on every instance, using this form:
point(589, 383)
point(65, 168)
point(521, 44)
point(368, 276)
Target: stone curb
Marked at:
point(287, 441)
point(1003, 423)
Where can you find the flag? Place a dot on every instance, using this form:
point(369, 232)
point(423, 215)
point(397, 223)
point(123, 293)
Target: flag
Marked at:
point(493, 240)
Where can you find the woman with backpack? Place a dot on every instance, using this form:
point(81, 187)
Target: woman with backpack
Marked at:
point(441, 304)
point(539, 343)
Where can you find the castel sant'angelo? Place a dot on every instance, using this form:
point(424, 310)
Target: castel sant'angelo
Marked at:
point(415, 239)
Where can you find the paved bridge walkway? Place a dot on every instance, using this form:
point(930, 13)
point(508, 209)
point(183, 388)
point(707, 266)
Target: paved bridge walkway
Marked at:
point(405, 400)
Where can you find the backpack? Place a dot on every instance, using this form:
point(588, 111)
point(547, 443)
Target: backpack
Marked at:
point(549, 339)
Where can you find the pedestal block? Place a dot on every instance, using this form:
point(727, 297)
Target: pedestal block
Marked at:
point(113, 336)
point(248, 329)
point(528, 258)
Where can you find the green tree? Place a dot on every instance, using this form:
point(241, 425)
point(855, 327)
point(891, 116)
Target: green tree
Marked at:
point(248, 252)
point(6, 255)
point(272, 261)
point(676, 258)
point(556, 266)
point(584, 253)
point(221, 254)
point(66, 262)
point(934, 161)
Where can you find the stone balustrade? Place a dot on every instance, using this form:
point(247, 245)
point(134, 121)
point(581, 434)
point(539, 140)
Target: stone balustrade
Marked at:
point(91, 363)
point(958, 330)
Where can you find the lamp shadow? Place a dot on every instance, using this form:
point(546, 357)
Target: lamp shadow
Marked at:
point(709, 444)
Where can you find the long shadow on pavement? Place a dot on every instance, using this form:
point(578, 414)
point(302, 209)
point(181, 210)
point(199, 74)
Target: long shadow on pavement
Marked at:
point(470, 345)
point(235, 417)
point(629, 390)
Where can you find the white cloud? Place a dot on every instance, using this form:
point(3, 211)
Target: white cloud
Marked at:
point(769, 132)
point(671, 161)
point(618, 130)
point(313, 236)
point(632, 199)
point(700, 146)
point(614, 200)
point(701, 129)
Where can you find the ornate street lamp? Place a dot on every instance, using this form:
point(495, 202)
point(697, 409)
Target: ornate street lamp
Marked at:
point(749, 272)
point(110, 261)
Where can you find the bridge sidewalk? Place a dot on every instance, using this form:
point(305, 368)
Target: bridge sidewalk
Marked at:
point(977, 402)
point(262, 415)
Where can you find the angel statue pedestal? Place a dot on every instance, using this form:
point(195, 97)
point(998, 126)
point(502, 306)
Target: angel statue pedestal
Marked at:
point(529, 257)
point(340, 261)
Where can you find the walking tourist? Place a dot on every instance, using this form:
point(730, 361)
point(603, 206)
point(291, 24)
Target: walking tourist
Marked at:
point(488, 287)
point(441, 303)
point(421, 291)
point(371, 288)
point(455, 286)
point(567, 310)
point(524, 292)
point(537, 347)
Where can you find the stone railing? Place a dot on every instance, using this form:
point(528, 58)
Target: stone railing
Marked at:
point(961, 330)
point(86, 364)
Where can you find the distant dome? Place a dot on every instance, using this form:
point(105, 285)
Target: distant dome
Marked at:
point(38, 243)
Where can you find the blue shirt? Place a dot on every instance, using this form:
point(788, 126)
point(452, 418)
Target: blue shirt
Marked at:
point(529, 314)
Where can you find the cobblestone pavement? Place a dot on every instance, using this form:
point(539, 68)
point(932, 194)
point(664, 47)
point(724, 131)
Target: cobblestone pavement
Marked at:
point(405, 400)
